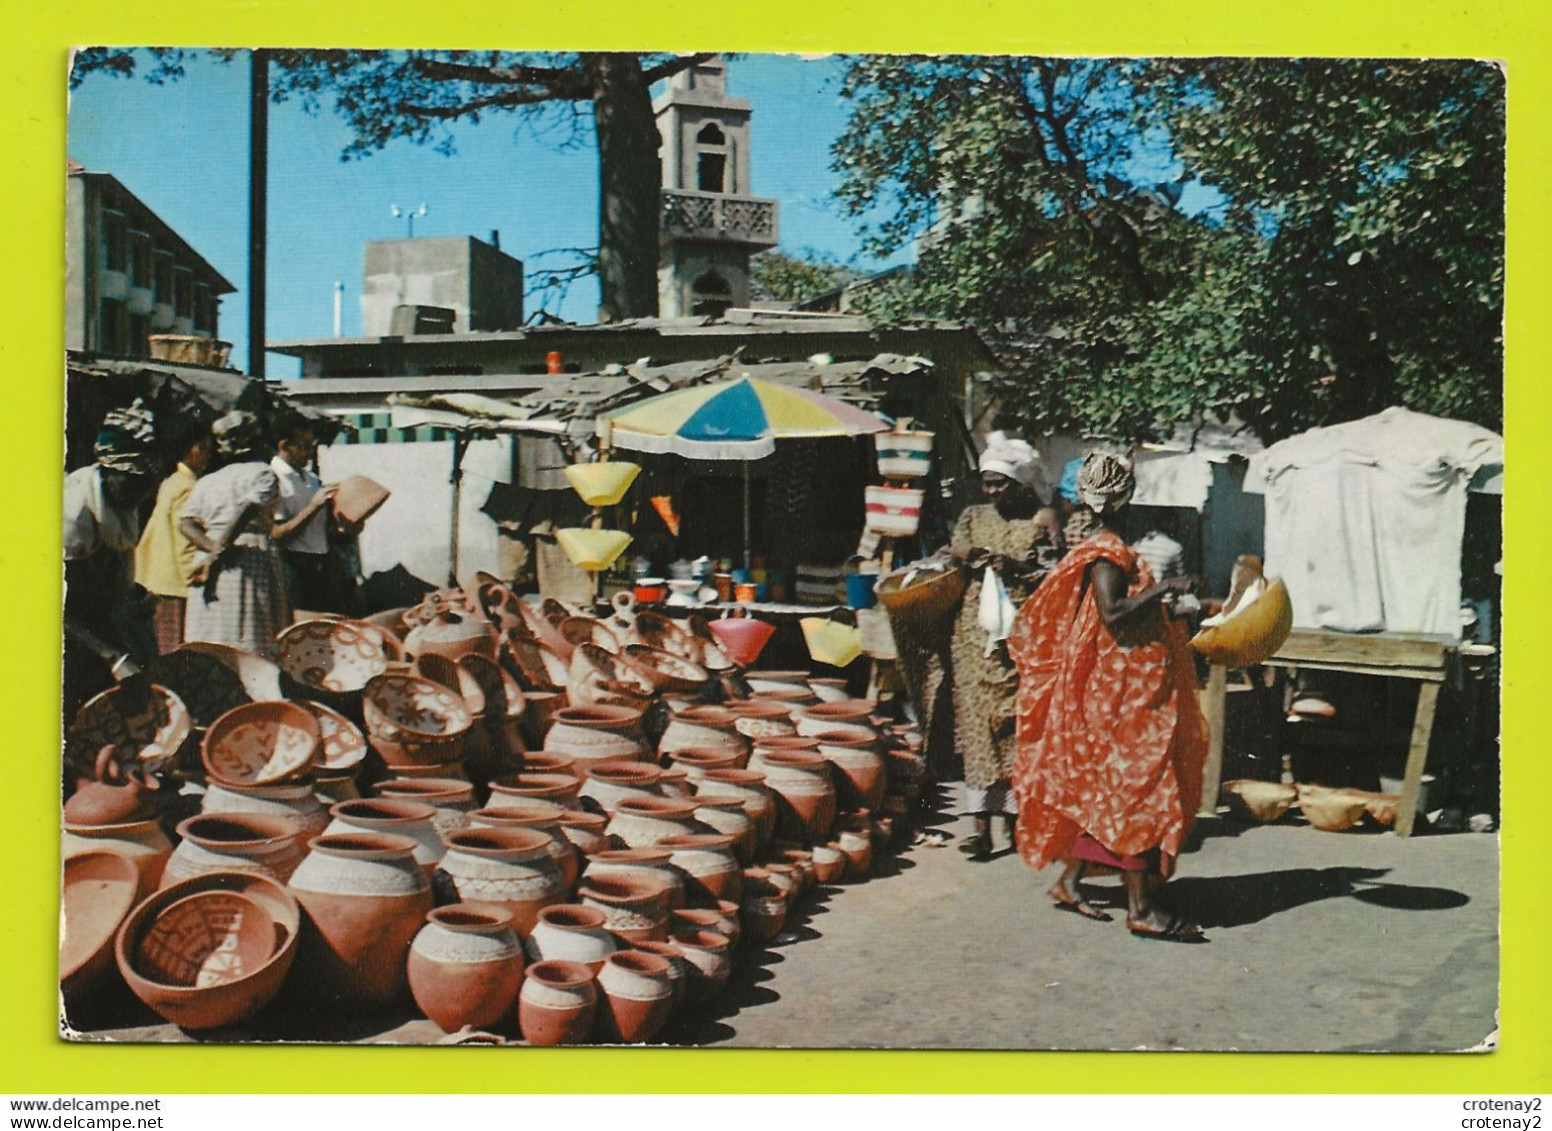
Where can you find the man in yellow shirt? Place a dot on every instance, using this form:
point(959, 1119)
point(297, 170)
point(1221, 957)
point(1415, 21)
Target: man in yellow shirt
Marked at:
point(164, 559)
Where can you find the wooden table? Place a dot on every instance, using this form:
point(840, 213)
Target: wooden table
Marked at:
point(1424, 658)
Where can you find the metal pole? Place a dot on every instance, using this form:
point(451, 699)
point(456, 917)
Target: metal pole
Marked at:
point(258, 194)
point(460, 445)
point(748, 551)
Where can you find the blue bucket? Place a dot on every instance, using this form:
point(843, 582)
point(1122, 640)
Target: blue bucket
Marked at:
point(859, 590)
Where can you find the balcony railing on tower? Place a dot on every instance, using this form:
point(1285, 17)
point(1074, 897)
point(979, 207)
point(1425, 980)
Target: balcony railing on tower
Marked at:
point(689, 215)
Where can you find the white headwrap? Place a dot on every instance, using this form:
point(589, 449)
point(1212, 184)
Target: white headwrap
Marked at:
point(1013, 458)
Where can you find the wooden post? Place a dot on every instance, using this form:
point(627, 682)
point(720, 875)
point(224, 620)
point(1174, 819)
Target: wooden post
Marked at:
point(1417, 756)
point(1214, 706)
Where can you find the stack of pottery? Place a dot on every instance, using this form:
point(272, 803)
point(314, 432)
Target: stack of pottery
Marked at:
point(510, 866)
point(466, 966)
point(364, 898)
point(409, 819)
point(238, 842)
point(598, 734)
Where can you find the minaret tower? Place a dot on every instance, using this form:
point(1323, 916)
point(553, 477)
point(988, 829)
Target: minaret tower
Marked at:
point(710, 223)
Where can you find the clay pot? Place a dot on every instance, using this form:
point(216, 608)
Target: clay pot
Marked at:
point(142, 842)
point(558, 1004)
point(561, 789)
point(205, 939)
point(223, 1002)
point(539, 709)
point(802, 781)
point(512, 867)
point(635, 910)
point(837, 714)
point(638, 995)
point(750, 788)
point(365, 898)
point(1332, 810)
point(723, 919)
point(728, 814)
point(99, 802)
point(802, 861)
point(707, 860)
point(860, 777)
point(781, 744)
point(762, 718)
point(466, 966)
point(828, 690)
point(573, 933)
point(295, 800)
point(678, 968)
point(236, 842)
point(606, 784)
point(709, 958)
point(640, 822)
point(100, 889)
point(599, 733)
point(648, 865)
point(675, 782)
point(145, 724)
point(541, 816)
point(433, 771)
point(696, 762)
point(451, 635)
point(829, 863)
point(550, 762)
point(451, 799)
point(585, 830)
point(858, 850)
point(769, 681)
point(388, 815)
point(703, 728)
point(331, 661)
point(763, 911)
point(332, 789)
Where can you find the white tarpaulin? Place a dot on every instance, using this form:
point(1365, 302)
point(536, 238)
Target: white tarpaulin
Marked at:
point(1364, 520)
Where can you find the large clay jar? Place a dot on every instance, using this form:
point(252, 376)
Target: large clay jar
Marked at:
point(294, 799)
point(331, 789)
point(451, 635)
point(562, 789)
point(512, 867)
point(541, 816)
point(401, 818)
point(640, 822)
point(707, 859)
point(635, 910)
point(678, 968)
point(802, 782)
point(143, 842)
point(598, 733)
point(781, 744)
point(549, 762)
point(703, 728)
point(860, 779)
point(675, 782)
point(709, 955)
point(585, 830)
point(728, 814)
point(236, 842)
point(762, 718)
point(466, 966)
point(649, 865)
point(696, 763)
point(750, 788)
point(722, 919)
point(558, 1004)
point(606, 784)
point(572, 932)
point(451, 798)
point(840, 713)
point(364, 899)
point(638, 995)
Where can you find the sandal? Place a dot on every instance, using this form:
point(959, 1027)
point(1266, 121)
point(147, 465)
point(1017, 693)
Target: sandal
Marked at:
point(1066, 901)
point(1178, 929)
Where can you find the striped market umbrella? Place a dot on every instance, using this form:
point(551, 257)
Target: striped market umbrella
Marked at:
point(740, 419)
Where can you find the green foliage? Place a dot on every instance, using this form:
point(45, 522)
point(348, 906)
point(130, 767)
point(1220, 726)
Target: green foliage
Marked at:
point(778, 276)
point(1353, 258)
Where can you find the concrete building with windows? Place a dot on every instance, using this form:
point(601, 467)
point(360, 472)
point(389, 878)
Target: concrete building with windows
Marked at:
point(128, 275)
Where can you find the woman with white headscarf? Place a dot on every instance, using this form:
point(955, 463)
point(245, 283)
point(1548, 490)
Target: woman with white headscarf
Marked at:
point(1111, 738)
point(1018, 539)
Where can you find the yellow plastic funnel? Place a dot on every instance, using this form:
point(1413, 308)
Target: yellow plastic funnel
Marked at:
point(593, 550)
point(602, 484)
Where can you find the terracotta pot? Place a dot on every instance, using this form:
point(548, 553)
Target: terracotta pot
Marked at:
point(802, 861)
point(640, 822)
point(763, 911)
point(208, 938)
point(331, 789)
point(762, 718)
point(452, 635)
point(142, 842)
point(99, 802)
point(696, 762)
point(558, 1004)
point(678, 968)
point(100, 890)
point(860, 777)
point(451, 798)
point(787, 877)
point(585, 830)
point(725, 813)
point(675, 782)
point(802, 781)
point(606, 784)
point(433, 771)
point(331, 661)
point(749, 787)
point(709, 955)
point(561, 789)
point(651, 866)
point(541, 816)
point(858, 850)
point(708, 861)
point(389, 815)
point(1261, 801)
point(295, 800)
point(638, 995)
point(540, 707)
point(704, 728)
point(466, 966)
point(635, 910)
point(365, 898)
point(766, 681)
point(781, 744)
point(550, 762)
point(224, 1002)
point(512, 867)
point(238, 842)
point(664, 672)
point(573, 933)
point(723, 919)
point(598, 733)
point(847, 712)
point(829, 863)
point(146, 726)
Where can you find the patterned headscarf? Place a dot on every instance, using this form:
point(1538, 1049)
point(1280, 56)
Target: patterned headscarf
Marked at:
point(237, 434)
point(1106, 482)
point(127, 441)
point(1013, 458)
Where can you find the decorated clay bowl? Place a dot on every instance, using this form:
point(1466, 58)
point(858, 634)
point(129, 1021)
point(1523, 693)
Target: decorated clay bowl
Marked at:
point(99, 892)
point(240, 995)
point(342, 746)
point(665, 671)
point(336, 657)
point(209, 938)
point(145, 724)
point(261, 744)
point(410, 720)
point(1332, 810)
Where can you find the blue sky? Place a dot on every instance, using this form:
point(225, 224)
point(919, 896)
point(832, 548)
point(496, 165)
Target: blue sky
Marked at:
point(182, 148)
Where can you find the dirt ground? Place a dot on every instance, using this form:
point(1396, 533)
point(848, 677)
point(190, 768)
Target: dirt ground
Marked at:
point(1318, 941)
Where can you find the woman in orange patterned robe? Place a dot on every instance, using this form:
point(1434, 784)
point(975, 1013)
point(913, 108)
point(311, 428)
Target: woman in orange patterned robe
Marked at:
point(1111, 737)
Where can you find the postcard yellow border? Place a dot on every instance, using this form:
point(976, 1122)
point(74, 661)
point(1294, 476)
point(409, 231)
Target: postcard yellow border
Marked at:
point(32, 128)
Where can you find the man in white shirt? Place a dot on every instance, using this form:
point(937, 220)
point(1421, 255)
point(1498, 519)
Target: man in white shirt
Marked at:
point(301, 518)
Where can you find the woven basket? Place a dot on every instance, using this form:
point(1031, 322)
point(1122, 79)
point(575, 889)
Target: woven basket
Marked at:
point(917, 593)
point(878, 642)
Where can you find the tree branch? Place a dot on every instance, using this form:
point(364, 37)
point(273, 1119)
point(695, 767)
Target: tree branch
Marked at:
point(559, 82)
point(671, 67)
point(492, 101)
